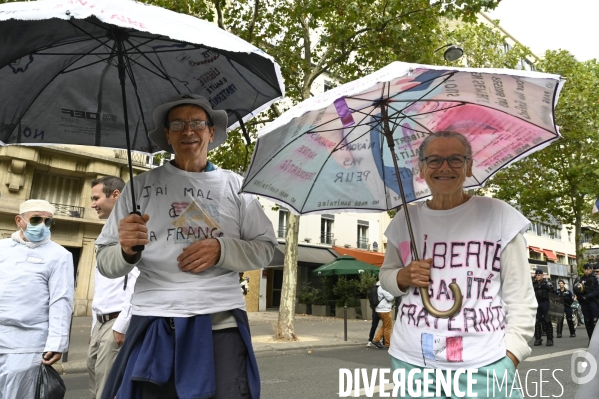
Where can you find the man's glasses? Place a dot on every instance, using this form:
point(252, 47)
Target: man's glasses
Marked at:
point(179, 126)
point(35, 220)
point(454, 161)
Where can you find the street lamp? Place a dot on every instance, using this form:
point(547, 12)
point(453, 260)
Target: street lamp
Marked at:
point(453, 53)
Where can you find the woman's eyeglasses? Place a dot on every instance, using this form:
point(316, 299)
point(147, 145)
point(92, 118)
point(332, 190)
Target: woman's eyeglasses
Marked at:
point(35, 220)
point(454, 161)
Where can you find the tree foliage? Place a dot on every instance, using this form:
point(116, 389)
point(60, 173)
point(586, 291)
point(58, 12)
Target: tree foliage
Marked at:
point(561, 180)
point(344, 39)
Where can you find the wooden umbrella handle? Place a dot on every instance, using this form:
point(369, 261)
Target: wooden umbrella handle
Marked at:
point(442, 314)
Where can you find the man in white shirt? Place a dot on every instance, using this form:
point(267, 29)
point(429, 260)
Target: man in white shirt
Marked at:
point(36, 300)
point(111, 307)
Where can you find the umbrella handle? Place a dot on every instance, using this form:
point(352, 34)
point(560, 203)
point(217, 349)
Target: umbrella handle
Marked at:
point(140, 248)
point(442, 314)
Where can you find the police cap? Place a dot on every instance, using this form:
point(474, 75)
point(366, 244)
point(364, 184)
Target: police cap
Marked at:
point(587, 266)
point(538, 271)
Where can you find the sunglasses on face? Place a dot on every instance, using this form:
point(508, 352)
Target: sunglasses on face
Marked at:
point(35, 220)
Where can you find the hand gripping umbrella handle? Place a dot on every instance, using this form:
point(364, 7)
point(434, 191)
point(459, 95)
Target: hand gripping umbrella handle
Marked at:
point(455, 289)
point(140, 248)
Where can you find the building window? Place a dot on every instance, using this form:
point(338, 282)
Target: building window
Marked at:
point(569, 236)
point(328, 85)
point(506, 47)
point(326, 229)
point(529, 66)
point(362, 235)
point(64, 192)
point(561, 259)
point(587, 237)
point(571, 261)
point(283, 222)
point(545, 230)
point(534, 255)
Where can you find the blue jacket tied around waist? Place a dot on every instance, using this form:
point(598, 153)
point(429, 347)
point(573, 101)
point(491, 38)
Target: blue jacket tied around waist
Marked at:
point(153, 350)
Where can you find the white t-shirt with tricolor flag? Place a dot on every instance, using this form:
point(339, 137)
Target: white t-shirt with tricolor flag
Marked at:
point(465, 244)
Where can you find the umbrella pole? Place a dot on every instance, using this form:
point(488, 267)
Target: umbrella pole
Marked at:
point(455, 289)
point(121, 66)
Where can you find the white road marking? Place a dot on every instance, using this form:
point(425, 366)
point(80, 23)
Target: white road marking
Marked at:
point(555, 354)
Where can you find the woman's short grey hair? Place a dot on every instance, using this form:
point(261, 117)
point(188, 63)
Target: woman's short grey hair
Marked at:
point(444, 134)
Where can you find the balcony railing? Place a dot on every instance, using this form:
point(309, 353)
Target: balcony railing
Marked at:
point(136, 157)
point(363, 243)
point(327, 238)
point(68, 210)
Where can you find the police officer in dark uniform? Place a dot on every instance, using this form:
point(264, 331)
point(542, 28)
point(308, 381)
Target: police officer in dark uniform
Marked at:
point(587, 291)
point(542, 289)
point(567, 298)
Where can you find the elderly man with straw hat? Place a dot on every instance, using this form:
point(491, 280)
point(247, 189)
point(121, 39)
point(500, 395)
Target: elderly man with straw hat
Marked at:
point(199, 232)
point(36, 299)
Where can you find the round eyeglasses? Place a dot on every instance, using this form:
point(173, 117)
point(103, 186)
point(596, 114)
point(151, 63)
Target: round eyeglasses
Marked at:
point(454, 161)
point(35, 220)
point(178, 126)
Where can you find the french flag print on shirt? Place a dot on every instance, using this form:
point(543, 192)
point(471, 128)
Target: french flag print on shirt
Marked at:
point(438, 348)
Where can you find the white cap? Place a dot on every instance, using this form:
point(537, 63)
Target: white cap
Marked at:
point(36, 205)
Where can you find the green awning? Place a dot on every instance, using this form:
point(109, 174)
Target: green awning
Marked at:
point(344, 265)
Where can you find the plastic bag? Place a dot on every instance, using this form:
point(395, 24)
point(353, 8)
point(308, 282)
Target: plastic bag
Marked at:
point(49, 384)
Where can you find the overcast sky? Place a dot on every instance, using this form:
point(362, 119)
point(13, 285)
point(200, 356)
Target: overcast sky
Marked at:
point(542, 25)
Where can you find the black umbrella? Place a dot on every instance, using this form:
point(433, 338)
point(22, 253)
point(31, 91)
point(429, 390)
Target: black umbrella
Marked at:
point(92, 72)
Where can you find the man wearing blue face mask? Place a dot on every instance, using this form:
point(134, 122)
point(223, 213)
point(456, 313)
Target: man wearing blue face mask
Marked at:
point(36, 300)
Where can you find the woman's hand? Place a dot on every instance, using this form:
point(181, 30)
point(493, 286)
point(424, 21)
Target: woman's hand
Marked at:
point(416, 274)
point(512, 357)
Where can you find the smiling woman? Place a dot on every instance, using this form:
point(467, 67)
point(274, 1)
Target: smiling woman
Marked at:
point(475, 242)
point(445, 162)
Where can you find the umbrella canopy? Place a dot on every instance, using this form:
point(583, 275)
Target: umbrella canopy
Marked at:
point(344, 265)
point(328, 153)
point(356, 147)
point(62, 65)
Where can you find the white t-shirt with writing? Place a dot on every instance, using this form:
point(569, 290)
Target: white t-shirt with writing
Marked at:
point(465, 244)
point(185, 207)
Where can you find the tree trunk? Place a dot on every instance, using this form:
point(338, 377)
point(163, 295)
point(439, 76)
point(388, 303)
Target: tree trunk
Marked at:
point(285, 328)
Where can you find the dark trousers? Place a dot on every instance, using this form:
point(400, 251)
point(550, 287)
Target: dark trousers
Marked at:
point(560, 322)
point(230, 353)
point(542, 310)
point(590, 311)
point(568, 311)
point(375, 324)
